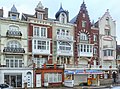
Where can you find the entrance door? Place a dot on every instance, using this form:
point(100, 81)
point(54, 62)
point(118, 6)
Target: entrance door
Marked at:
point(29, 79)
point(13, 80)
point(38, 80)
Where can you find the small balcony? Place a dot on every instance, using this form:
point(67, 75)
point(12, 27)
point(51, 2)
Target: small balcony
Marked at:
point(13, 33)
point(64, 37)
point(108, 47)
point(13, 50)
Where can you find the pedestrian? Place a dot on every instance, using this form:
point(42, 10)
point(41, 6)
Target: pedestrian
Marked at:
point(114, 77)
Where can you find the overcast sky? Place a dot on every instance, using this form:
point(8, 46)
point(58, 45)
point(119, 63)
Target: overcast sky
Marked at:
point(96, 8)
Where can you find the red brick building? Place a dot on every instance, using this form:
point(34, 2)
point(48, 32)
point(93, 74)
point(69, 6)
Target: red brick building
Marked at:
point(40, 49)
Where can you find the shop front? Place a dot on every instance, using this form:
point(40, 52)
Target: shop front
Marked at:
point(84, 77)
point(49, 75)
point(17, 77)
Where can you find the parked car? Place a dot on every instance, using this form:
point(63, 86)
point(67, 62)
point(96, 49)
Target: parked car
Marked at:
point(5, 86)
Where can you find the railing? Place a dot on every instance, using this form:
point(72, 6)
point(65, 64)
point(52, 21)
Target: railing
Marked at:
point(64, 37)
point(103, 66)
point(13, 33)
point(14, 50)
point(107, 46)
point(76, 66)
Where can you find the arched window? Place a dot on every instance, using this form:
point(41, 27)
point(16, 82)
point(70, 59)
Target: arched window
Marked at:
point(83, 36)
point(13, 28)
point(63, 18)
point(13, 44)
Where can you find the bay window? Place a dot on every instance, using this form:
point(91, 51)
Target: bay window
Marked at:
point(41, 45)
point(64, 46)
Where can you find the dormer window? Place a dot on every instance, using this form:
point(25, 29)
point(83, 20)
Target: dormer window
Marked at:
point(107, 20)
point(63, 18)
point(13, 17)
point(40, 16)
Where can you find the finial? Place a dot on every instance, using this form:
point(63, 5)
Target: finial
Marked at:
point(107, 10)
point(83, 1)
point(60, 5)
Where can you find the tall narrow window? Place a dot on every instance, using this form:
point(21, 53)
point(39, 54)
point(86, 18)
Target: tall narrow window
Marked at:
point(83, 23)
point(107, 32)
point(94, 38)
point(43, 32)
point(63, 18)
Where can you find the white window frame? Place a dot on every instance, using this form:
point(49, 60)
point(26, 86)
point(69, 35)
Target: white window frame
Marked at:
point(13, 44)
point(94, 37)
point(11, 61)
point(65, 46)
point(83, 36)
point(108, 52)
point(86, 48)
point(39, 31)
point(38, 44)
point(53, 77)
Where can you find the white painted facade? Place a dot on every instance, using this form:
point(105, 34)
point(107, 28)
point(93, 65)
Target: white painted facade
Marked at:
point(63, 35)
point(107, 41)
point(14, 53)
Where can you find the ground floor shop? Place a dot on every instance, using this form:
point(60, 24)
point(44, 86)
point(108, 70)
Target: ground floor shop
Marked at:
point(81, 77)
point(17, 77)
point(49, 75)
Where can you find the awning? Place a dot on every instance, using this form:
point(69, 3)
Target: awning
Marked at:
point(83, 72)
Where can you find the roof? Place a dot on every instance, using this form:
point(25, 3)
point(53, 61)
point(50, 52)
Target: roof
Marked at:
point(59, 11)
point(73, 20)
point(13, 9)
point(25, 16)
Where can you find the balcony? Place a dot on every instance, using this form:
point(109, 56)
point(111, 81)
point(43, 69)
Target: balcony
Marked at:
point(64, 37)
point(103, 67)
point(65, 52)
point(107, 46)
point(13, 50)
point(108, 58)
point(13, 33)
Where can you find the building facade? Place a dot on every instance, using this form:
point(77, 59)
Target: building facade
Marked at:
point(41, 51)
point(40, 42)
point(107, 43)
point(13, 44)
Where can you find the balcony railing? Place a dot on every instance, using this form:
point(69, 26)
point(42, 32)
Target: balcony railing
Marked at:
point(13, 33)
point(76, 66)
point(103, 66)
point(64, 37)
point(14, 50)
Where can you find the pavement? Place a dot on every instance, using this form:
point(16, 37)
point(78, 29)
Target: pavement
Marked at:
point(80, 87)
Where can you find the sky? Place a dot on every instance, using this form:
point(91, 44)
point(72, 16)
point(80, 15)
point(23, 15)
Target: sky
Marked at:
point(96, 8)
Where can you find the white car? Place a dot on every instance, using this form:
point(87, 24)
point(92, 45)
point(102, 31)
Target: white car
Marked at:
point(5, 86)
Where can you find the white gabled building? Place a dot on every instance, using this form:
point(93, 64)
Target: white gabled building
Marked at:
point(14, 51)
point(107, 45)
